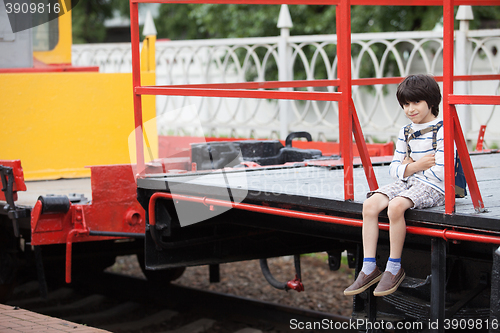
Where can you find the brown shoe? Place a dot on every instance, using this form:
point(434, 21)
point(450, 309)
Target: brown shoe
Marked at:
point(389, 283)
point(363, 282)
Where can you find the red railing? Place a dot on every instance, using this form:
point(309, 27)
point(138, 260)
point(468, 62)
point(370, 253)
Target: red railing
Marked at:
point(452, 129)
point(348, 120)
point(446, 234)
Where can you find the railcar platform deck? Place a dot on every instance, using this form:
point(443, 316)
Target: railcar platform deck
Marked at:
point(319, 186)
point(35, 189)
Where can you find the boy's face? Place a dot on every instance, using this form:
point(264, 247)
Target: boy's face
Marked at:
point(418, 112)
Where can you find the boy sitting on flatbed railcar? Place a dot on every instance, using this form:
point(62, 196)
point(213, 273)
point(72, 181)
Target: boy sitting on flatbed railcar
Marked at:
point(419, 172)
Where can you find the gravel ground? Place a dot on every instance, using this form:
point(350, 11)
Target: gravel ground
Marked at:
point(323, 288)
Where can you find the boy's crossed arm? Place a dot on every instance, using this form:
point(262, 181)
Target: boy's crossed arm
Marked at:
point(424, 163)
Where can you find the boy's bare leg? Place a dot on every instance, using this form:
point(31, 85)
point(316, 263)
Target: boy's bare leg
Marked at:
point(394, 274)
point(371, 208)
point(369, 274)
point(397, 231)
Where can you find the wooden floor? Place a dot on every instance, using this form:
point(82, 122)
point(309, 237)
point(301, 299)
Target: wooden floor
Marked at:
point(322, 186)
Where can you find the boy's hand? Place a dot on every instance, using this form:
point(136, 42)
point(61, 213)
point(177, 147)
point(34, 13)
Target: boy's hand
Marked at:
point(407, 160)
point(426, 162)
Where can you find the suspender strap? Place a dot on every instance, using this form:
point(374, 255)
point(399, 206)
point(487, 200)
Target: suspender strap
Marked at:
point(411, 134)
point(435, 129)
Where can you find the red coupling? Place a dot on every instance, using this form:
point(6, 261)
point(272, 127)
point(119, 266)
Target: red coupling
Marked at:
point(250, 164)
point(295, 284)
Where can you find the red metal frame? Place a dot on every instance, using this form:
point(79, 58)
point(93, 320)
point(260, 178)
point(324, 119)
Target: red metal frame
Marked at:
point(50, 69)
point(328, 2)
point(348, 121)
point(18, 173)
point(114, 208)
point(453, 132)
point(480, 138)
point(177, 149)
point(446, 234)
point(321, 82)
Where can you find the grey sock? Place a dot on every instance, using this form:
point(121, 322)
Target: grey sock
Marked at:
point(393, 267)
point(368, 267)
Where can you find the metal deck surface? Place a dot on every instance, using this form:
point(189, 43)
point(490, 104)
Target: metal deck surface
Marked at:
point(322, 187)
point(57, 187)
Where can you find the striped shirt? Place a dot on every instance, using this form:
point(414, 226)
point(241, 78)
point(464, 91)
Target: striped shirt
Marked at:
point(420, 147)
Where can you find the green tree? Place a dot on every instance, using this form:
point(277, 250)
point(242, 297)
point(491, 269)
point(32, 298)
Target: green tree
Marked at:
point(195, 21)
point(88, 20)
point(190, 21)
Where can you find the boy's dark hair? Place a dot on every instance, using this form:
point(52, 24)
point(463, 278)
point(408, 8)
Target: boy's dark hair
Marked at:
point(420, 88)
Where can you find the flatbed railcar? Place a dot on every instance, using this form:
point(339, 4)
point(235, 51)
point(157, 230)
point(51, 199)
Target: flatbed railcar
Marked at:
point(288, 210)
point(176, 213)
point(450, 254)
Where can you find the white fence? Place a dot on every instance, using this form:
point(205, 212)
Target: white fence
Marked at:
point(307, 57)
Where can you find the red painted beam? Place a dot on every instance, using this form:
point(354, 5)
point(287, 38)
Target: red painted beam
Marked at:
point(50, 69)
point(17, 170)
point(449, 155)
point(446, 234)
point(114, 207)
point(463, 153)
point(239, 93)
point(136, 82)
point(328, 2)
point(343, 13)
point(363, 150)
point(322, 83)
point(480, 138)
point(475, 99)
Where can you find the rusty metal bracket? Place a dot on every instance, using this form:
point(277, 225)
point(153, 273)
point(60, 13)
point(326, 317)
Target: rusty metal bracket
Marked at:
point(7, 175)
point(80, 228)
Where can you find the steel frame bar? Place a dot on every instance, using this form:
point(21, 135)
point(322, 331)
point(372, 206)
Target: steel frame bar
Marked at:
point(474, 99)
point(347, 115)
point(463, 154)
point(446, 234)
point(495, 290)
point(453, 131)
point(327, 2)
point(343, 14)
point(322, 83)
point(240, 93)
point(50, 69)
point(480, 138)
point(363, 150)
point(438, 284)
point(449, 178)
point(136, 82)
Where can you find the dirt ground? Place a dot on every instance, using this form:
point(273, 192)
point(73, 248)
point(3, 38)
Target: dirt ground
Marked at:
point(323, 288)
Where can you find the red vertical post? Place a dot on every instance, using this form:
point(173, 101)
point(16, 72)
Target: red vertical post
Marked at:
point(136, 82)
point(480, 138)
point(449, 178)
point(363, 150)
point(343, 14)
point(463, 153)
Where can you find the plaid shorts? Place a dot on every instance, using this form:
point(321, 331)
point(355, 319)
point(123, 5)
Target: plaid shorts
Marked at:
point(422, 195)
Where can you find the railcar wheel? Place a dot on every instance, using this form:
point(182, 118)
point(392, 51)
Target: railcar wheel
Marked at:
point(8, 273)
point(160, 276)
point(9, 258)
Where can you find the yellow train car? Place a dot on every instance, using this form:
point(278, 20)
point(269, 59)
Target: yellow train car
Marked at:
point(59, 119)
